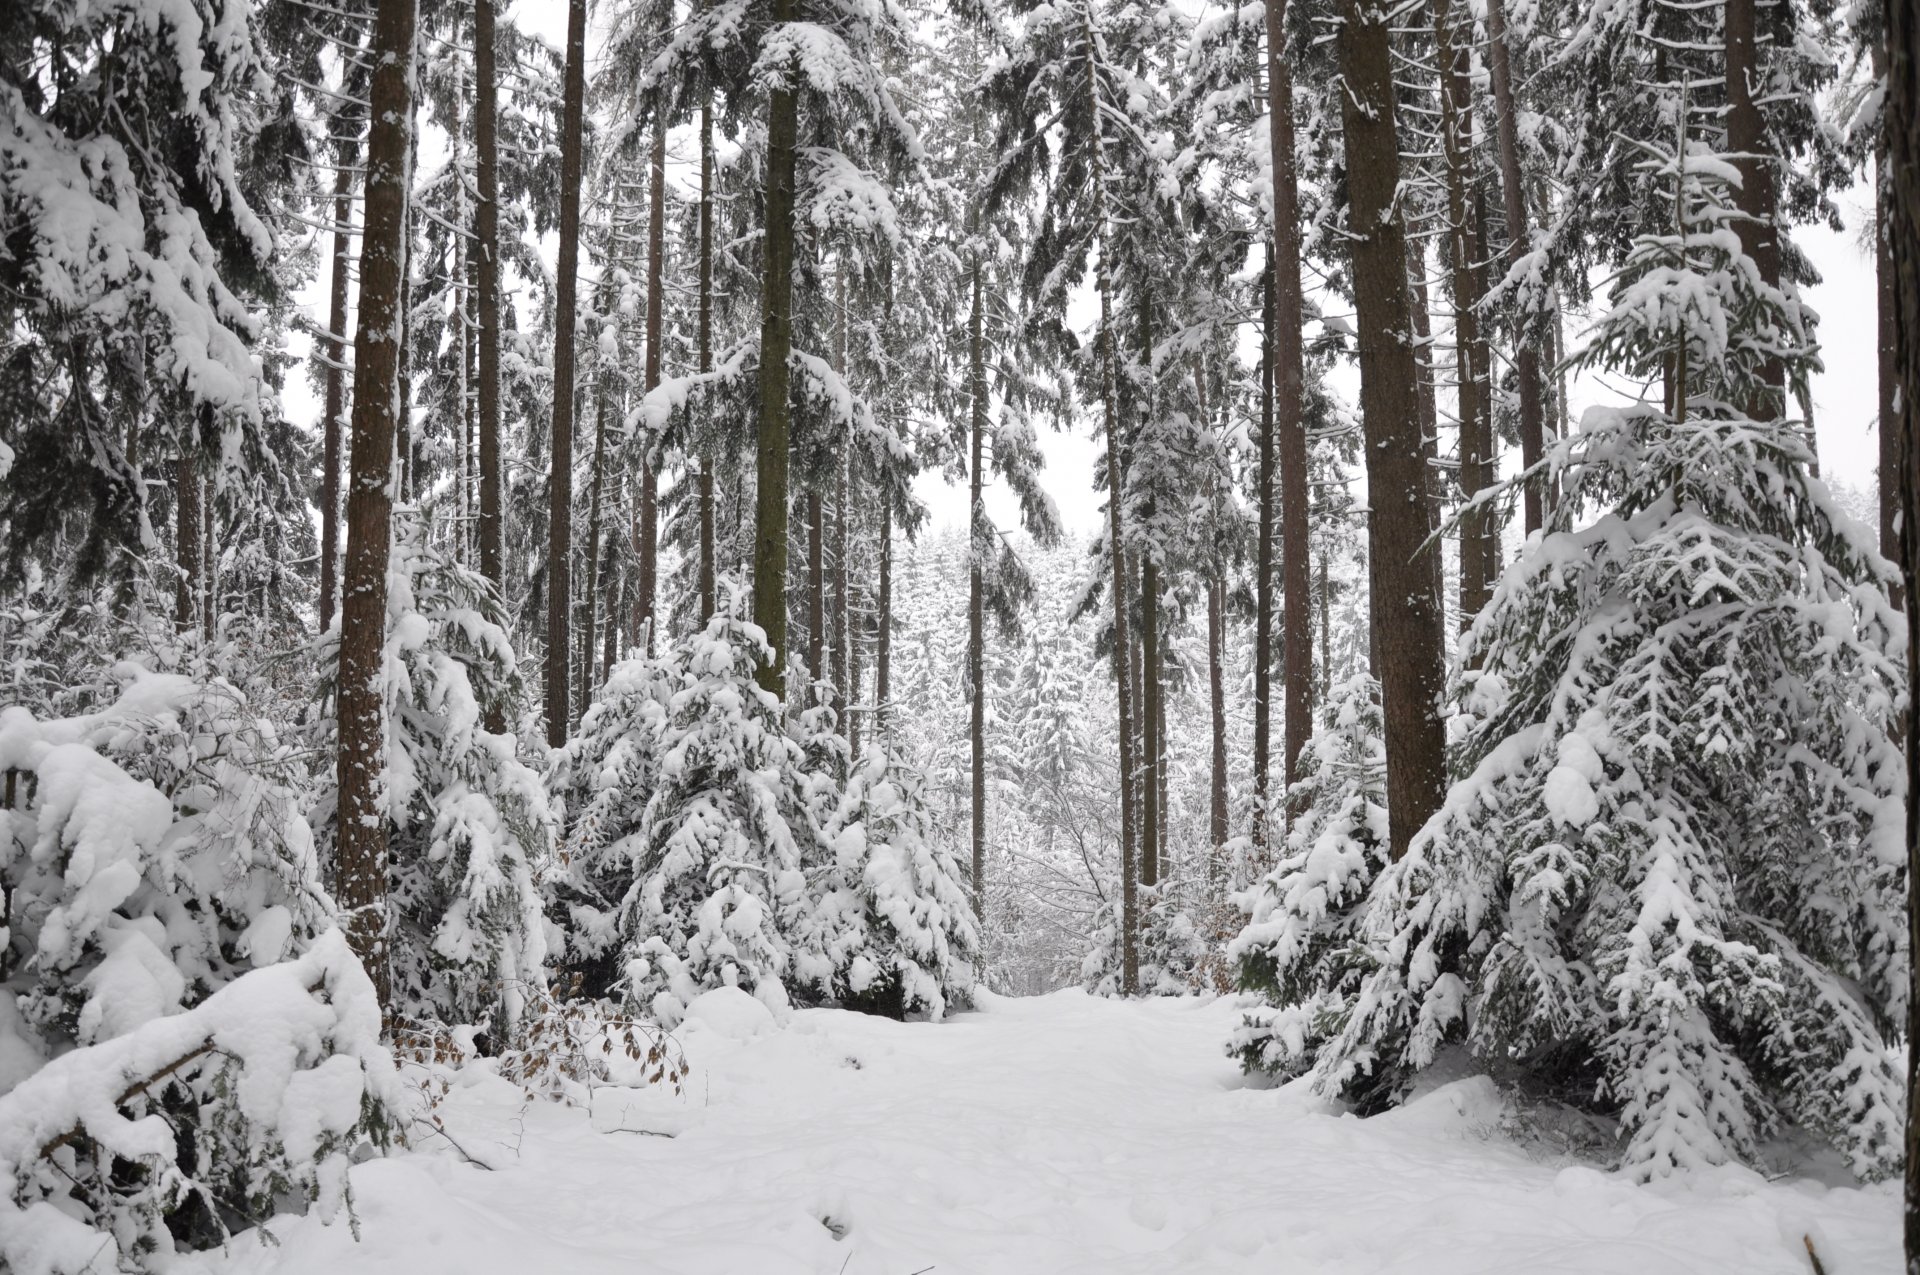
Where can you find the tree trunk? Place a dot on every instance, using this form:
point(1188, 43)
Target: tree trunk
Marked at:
point(590, 600)
point(1116, 540)
point(707, 581)
point(1150, 719)
point(486, 228)
point(1885, 301)
point(189, 564)
point(837, 629)
point(648, 582)
point(360, 863)
point(1746, 138)
point(1217, 828)
point(816, 586)
point(1902, 201)
point(1406, 606)
point(1526, 358)
point(1263, 580)
point(776, 344)
point(1469, 285)
point(883, 626)
point(977, 549)
point(334, 410)
point(560, 512)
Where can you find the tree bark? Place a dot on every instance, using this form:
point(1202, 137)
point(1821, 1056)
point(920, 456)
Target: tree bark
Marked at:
point(360, 866)
point(708, 584)
point(1404, 586)
point(1754, 197)
point(1885, 301)
point(590, 600)
point(345, 153)
point(1901, 119)
point(560, 484)
point(189, 560)
point(816, 585)
point(648, 582)
point(776, 345)
point(1217, 826)
point(1263, 581)
point(1526, 360)
point(1469, 285)
point(883, 626)
point(486, 227)
point(977, 549)
point(1151, 753)
point(838, 631)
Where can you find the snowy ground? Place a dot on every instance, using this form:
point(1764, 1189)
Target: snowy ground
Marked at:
point(1046, 1136)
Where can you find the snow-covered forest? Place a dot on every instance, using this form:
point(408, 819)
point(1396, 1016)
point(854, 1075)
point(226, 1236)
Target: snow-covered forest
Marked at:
point(1066, 634)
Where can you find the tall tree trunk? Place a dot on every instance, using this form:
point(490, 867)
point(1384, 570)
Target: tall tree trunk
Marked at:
point(1116, 538)
point(1901, 120)
point(1404, 586)
point(816, 585)
point(1469, 285)
point(486, 229)
point(334, 410)
point(708, 583)
point(1151, 754)
point(560, 484)
point(1526, 360)
point(1754, 197)
point(1263, 580)
point(1289, 402)
point(360, 864)
point(977, 549)
point(590, 600)
point(1217, 827)
point(1885, 301)
point(776, 344)
point(883, 627)
point(189, 561)
point(837, 629)
point(648, 582)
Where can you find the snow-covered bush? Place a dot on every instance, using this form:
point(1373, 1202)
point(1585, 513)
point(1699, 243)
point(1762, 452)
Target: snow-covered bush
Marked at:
point(193, 1125)
point(723, 838)
point(1674, 876)
point(603, 779)
point(149, 853)
point(890, 928)
point(1297, 951)
point(470, 820)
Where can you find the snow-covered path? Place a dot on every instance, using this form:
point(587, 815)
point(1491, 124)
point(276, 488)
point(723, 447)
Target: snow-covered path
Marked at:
point(1047, 1136)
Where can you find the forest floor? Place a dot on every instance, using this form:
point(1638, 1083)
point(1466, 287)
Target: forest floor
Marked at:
point(1048, 1136)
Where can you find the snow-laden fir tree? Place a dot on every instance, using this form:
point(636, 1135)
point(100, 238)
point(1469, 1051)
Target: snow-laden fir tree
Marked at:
point(1298, 951)
point(890, 929)
point(603, 779)
point(1672, 880)
point(150, 852)
point(724, 836)
point(470, 823)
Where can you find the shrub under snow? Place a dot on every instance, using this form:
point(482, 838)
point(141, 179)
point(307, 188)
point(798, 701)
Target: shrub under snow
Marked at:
point(275, 1079)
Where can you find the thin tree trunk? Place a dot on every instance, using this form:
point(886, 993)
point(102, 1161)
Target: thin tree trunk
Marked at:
point(708, 584)
point(486, 227)
point(776, 344)
point(590, 600)
point(883, 627)
point(816, 585)
point(1263, 581)
point(1217, 827)
point(190, 579)
point(360, 865)
point(1476, 428)
point(1746, 138)
point(1289, 403)
point(1116, 540)
point(1404, 586)
point(976, 600)
point(1526, 359)
point(1151, 755)
point(345, 153)
point(560, 513)
point(838, 632)
point(648, 581)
